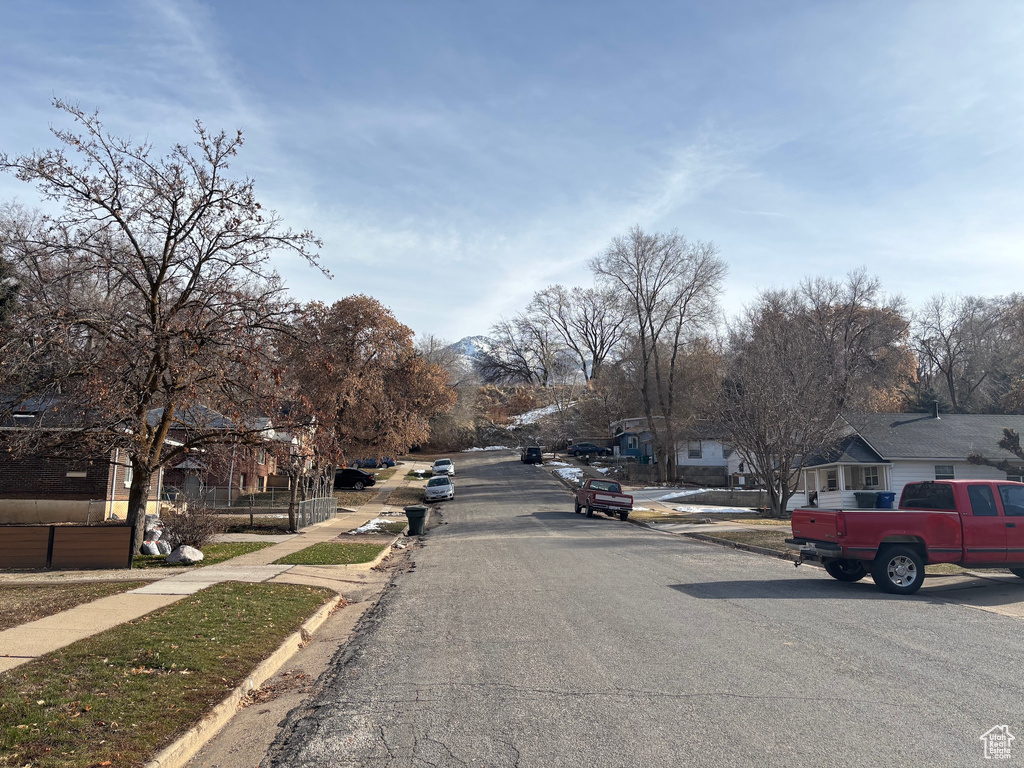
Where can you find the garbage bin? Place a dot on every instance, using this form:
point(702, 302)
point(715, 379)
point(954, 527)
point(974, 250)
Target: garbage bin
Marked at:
point(866, 499)
point(417, 516)
point(885, 500)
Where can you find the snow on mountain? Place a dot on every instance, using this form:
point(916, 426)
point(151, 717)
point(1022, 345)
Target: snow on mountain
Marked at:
point(472, 346)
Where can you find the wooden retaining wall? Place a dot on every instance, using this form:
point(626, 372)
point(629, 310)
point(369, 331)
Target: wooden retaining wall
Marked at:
point(64, 546)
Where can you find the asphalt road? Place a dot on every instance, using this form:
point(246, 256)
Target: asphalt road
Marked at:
point(530, 636)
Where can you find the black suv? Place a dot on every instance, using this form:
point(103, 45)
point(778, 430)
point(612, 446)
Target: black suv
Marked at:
point(353, 478)
point(532, 455)
point(588, 449)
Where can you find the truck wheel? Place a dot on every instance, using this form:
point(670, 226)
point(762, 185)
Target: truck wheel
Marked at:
point(577, 508)
point(623, 516)
point(846, 570)
point(899, 570)
point(590, 510)
point(1018, 572)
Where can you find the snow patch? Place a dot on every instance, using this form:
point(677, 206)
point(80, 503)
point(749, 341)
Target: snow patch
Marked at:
point(374, 526)
point(557, 464)
point(570, 473)
point(488, 448)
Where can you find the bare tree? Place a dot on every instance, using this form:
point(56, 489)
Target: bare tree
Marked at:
point(798, 360)
point(589, 322)
point(147, 294)
point(961, 350)
point(669, 289)
point(523, 350)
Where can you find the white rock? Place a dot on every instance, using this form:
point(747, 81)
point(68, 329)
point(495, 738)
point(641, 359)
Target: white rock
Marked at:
point(185, 554)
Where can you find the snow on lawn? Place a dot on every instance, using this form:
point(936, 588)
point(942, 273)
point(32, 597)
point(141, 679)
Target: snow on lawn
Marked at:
point(681, 493)
point(693, 508)
point(557, 464)
point(374, 526)
point(488, 448)
point(571, 473)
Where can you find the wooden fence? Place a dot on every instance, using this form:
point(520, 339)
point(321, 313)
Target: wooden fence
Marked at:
point(65, 546)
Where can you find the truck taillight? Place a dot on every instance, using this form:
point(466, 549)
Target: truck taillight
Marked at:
point(840, 524)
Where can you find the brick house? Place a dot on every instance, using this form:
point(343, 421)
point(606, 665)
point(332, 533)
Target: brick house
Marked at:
point(43, 490)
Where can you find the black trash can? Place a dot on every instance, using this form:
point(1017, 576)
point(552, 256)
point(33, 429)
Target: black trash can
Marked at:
point(885, 500)
point(866, 499)
point(417, 516)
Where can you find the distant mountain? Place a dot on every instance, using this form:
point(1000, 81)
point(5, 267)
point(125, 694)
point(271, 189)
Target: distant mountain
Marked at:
point(472, 346)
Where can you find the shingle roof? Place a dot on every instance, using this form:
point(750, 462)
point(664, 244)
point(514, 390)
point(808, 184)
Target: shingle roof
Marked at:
point(921, 436)
point(851, 450)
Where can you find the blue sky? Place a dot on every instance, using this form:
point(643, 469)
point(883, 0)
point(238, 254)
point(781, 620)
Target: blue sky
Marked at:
point(455, 157)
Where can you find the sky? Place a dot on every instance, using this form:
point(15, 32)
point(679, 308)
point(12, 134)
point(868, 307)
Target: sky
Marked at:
point(456, 157)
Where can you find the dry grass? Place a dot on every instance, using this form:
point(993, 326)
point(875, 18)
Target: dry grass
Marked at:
point(769, 538)
point(406, 495)
point(30, 602)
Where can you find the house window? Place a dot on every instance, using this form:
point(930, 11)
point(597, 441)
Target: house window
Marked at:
point(76, 473)
point(261, 484)
point(631, 443)
point(870, 477)
point(829, 479)
point(1016, 476)
point(129, 473)
point(944, 472)
point(241, 482)
point(693, 448)
point(261, 456)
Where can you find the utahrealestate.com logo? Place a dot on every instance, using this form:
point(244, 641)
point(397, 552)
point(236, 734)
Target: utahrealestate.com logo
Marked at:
point(997, 742)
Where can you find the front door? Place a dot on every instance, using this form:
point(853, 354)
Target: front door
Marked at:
point(984, 528)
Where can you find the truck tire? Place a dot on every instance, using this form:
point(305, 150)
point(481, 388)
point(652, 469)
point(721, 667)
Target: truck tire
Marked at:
point(590, 510)
point(846, 570)
point(623, 516)
point(898, 570)
point(1018, 572)
point(576, 507)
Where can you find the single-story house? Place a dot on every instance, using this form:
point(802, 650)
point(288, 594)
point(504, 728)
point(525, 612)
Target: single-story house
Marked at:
point(702, 457)
point(883, 452)
point(43, 490)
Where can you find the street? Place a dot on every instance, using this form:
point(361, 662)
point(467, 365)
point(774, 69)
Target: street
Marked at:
point(530, 636)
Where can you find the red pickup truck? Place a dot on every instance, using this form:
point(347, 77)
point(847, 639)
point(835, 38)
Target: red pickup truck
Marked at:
point(974, 523)
point(603, 496)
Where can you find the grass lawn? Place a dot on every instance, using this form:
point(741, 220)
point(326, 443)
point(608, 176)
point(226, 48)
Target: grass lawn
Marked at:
point(405, 495)
point(333, 553)
point(417, 474)
point(119, 697)
point(383, 474)
point(28, 602)
point(353, 499)
point(769, 537)
point(212, 554)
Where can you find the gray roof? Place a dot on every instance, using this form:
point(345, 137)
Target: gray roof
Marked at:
point(852, 450)
point(921, 436)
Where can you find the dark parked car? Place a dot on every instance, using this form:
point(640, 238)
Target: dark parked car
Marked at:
point(532, 455)
point(588, 449)
point(353, 478)
point(387, 461)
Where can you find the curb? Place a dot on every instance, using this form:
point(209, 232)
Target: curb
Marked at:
point(744, 547)
point(185, 747)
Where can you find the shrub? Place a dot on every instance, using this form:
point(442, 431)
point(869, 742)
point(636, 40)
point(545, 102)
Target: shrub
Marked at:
point(194, 526)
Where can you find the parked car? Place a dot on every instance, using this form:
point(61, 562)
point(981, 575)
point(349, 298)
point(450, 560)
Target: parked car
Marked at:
point(588, 449)
point(439, 488)
point(387, 461)
point(972, 523)
point(357, 479)
point(443, 467)
point(603, 496)
point(532, 455)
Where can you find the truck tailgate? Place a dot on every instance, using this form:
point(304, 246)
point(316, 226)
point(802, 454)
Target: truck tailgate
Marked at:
point(814, 524)
point(604, 499)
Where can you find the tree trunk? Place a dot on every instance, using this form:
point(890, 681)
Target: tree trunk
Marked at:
point(138, 496)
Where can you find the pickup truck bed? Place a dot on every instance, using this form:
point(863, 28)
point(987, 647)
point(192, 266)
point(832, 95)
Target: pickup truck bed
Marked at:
point(968, 522)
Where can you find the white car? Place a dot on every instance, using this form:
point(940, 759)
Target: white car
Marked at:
point(443, 467)
point(439, 488)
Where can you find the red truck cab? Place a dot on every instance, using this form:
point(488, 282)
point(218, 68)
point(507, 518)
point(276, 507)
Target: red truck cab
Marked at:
point(974, 523)
point(606, 496)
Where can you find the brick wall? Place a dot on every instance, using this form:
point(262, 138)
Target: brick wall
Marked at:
point(32, 478)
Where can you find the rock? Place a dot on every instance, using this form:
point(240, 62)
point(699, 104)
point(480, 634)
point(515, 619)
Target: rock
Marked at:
point(152, 534)
point(149, 548)
point(163, 547)
point(185, 554)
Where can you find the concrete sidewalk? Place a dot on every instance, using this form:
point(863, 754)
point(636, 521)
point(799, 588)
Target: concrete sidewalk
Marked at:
point(23, 643)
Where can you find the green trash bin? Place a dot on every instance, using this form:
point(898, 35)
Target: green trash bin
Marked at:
point(417, 517)
point(866, 499)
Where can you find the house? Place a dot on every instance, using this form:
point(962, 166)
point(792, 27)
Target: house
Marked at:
point(42, 490)
point(702, 457)
point(886, 451)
